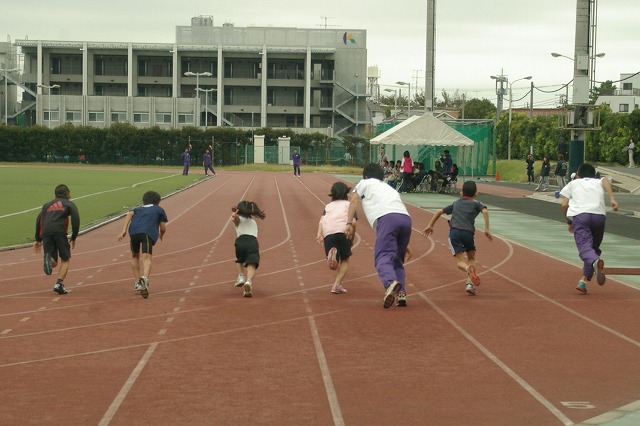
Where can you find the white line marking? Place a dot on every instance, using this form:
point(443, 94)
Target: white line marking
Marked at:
point(504, 367)
point(332, 396)
point(113, 408)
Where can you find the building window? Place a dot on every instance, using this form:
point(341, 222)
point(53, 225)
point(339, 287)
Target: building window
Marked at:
point(627, 86)
point(53, 114)
point(119, 117)
point(141, 117)
point(96, 117)
point(185, 118)
point(142, 90)
point(271, 97)
point(623, 108)
point(74, 116)
point(163, 118)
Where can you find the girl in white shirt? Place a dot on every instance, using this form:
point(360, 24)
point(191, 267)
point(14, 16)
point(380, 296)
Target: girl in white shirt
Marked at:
point(247, 249)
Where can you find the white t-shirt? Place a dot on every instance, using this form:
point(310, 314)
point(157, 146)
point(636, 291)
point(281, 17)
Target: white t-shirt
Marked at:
point(586, 195)
point(247, 226)
point(378, 199)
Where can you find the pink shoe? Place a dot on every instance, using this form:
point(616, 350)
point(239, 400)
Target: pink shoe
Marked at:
point(331, 258)
point(338, 290)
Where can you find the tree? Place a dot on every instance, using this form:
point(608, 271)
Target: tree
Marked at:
point(606, 88)
point(478, 109)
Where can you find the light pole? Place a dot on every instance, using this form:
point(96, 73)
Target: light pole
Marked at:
point(592, 66)
point(500, 90)
point(206, 104)
point(53, 86)
point(6, 88)
point(395, 101)
point(509, 124)
point(402, 83)
point(197, 75)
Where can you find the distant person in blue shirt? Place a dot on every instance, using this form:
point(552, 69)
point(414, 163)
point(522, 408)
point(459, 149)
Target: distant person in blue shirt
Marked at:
point(145, 224)
point(296, 163)
point(186, 160)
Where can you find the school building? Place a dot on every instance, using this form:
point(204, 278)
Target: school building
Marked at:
point(310, 80)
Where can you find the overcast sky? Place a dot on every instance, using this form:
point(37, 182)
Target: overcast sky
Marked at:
point(474, 38)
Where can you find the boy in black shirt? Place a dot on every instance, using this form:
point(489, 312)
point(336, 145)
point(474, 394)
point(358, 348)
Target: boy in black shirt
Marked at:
point(51, 232)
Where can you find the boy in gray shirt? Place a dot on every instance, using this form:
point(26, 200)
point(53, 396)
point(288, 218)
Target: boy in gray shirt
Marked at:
point(461, 231)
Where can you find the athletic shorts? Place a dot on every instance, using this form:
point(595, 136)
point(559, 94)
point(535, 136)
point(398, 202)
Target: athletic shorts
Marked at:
point(340, 242)
point(247, 250)
point(461, 240)
point(57, 245)
point(141, 243)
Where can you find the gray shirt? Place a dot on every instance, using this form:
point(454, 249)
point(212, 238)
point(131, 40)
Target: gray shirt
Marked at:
point(464, 212)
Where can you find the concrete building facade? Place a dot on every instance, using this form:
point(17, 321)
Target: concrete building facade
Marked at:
point(305, 79)
point(624, 99)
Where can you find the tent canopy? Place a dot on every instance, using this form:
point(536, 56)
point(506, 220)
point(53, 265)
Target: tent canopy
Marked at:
point(422, 130)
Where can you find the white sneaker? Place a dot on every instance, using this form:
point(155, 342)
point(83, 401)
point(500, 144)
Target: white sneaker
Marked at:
point(471, 289)
point(240, 281)
point(247, 289)
point(137, 286)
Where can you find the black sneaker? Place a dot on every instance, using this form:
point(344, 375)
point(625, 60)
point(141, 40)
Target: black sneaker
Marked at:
point(46, 266)
point(59, 288)
point(402, 299)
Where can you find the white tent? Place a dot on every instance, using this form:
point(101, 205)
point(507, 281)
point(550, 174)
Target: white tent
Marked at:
point(422, 130)
point(427, 131)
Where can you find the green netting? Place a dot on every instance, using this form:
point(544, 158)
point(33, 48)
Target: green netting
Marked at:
point(470, 160)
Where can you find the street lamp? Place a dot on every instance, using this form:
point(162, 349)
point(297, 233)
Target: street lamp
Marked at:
point(6, 88)
point(509, 124)
point(592, 64)
point(206, 104)
point(197, 75)
point(53, 86)
point(402, 83)
point(395, 100)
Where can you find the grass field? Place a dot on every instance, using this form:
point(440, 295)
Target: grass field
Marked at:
point(99, 193)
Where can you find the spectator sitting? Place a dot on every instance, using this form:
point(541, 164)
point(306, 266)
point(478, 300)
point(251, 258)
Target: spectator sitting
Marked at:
point(419, 175)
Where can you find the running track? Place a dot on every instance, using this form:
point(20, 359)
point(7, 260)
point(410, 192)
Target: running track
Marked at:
point(528, 350)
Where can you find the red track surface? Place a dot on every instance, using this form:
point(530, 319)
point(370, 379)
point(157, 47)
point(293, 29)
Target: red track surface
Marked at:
point(528, 350)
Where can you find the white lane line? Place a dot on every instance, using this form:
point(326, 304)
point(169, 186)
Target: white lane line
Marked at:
point(336, 412)
point(330, 390)
point(504, 367)
point(113, 408)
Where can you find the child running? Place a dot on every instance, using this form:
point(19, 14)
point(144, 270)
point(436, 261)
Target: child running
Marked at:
point(51, 232)
point(461, 229)
point(391, 222)
point(145, 224)
point(337, 246)
point(584, 209)
point(247, 248)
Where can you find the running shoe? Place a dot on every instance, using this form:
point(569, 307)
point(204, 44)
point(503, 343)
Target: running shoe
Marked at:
point(390, 294)
point(582, 287)
point(240, 281)
point(598, 267)
point(137, 286)
point(47, 266)
point(471, 289)
point(338, 289)
point(144, 284)
point(473, 276)
point(59, 288)
point(332, 261)
point(402, 299)
point(247, 289)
